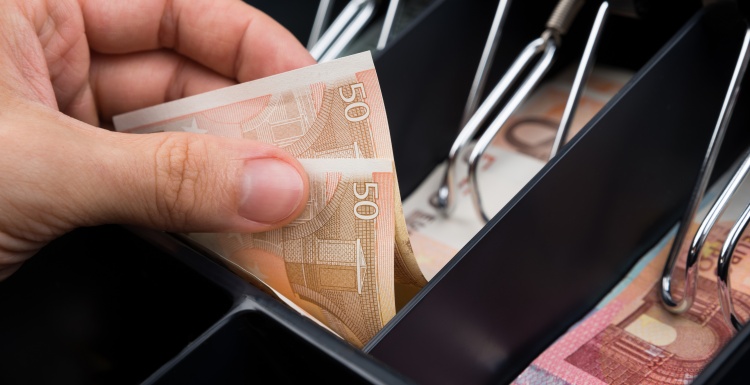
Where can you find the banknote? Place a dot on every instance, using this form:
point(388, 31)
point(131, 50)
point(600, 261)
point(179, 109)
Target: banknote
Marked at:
point(332, 113)
point(329, 110)
point(335, 261)
point(630, 338)
point(518, 152)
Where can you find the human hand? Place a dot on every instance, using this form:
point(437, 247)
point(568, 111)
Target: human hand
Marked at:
point(67, 65)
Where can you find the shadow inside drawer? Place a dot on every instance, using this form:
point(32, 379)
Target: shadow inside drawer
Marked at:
point(253, 348)
point(101, 305)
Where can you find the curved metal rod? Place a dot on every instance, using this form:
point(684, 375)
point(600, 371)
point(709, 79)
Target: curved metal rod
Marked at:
point(321, 19)
point(727, 249)
point(557, 25)
point(691, 265)
point(485, 62)
point(390, 15)
point(338, 26)
point(359, 22)
point(444, 199)
point(725, 289)
point(334, 30)
point(536, 75)
point(582, 75)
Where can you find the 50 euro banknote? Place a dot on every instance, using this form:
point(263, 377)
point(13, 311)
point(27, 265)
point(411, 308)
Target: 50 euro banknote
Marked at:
point(332, 110)
point(335, 261)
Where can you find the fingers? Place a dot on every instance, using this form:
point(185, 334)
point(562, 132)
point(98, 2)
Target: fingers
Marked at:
point(190, 182)
point(63, 174)
point(123, 83)
point(228, 36)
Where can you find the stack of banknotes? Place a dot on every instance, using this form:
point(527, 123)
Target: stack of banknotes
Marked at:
point(340, 261)
point(347, 261)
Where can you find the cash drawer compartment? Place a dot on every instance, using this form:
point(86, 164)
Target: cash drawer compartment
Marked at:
point(537, 268)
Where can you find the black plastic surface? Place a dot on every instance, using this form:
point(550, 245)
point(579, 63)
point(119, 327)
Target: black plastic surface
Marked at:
point(427, 72)
point(299, 22)
point(568, 237)
point(103, 306)
point(100, 306)
point(275, 329)
point(253, 348)
point(425, 76)
point(731, 366)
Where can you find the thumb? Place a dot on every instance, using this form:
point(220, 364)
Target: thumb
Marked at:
point(58, 173)
point(196, 183)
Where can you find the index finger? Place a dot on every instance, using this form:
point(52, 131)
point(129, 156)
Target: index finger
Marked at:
point(230, 37)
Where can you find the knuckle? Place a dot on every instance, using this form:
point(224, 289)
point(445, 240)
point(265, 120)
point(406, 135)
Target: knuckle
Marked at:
point(179, 160)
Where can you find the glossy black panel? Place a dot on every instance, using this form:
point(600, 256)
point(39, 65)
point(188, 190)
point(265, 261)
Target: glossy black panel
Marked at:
point(100, 305)
point(253, 348)
point(573, 232)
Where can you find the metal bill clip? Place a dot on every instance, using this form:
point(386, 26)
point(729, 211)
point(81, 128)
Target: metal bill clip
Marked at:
point(390, 16)
point(727, 249)
point(347, 25)
point(693, 256)
point(541, 51)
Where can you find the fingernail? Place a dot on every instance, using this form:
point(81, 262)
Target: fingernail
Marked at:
point(271, 190)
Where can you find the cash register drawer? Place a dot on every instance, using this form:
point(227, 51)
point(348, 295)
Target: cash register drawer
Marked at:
point(115, 305)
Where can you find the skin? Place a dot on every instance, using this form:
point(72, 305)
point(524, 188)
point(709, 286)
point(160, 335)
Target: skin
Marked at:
point(68, 66)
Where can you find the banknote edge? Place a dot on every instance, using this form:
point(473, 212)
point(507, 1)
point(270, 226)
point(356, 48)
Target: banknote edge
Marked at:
point(346, 165)
point(301, 77)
